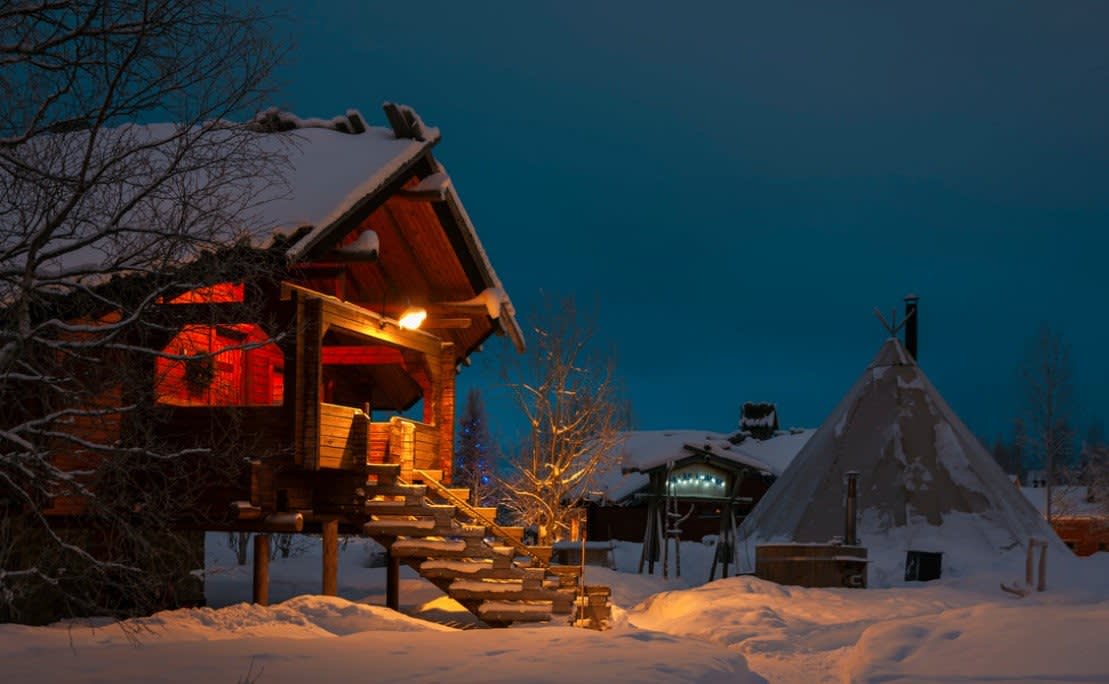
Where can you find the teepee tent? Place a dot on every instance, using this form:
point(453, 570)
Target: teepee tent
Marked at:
point(925, 482)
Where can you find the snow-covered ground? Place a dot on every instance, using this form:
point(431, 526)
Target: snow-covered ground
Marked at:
point(740, 629)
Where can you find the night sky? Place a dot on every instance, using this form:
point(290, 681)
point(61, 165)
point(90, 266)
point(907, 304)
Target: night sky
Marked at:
point(735, 187)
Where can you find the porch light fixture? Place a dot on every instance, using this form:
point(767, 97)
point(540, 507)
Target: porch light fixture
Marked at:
point(412, 318)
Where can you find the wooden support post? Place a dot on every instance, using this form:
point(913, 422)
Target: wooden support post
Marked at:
point(262, 569)
point(392, 582)
point(330, 535)
point(306, 410)
point(444, 409)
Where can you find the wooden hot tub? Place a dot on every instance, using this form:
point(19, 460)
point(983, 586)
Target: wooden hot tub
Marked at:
point(812, 565)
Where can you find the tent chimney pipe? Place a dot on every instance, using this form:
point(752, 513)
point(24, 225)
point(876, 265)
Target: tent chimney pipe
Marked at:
point(911, 316)
point(849, 532)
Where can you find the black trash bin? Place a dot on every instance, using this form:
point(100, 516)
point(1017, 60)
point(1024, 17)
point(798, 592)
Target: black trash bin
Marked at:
point(923, 566)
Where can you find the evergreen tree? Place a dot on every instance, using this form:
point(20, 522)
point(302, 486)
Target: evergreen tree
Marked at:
point(474, 453)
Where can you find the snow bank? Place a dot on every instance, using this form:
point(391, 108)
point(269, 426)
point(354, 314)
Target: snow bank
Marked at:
point(1015, 642)
point(956, 629)
point(950, 630)
point(304, 617)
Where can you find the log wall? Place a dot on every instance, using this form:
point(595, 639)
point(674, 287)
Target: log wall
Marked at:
point(344, 437)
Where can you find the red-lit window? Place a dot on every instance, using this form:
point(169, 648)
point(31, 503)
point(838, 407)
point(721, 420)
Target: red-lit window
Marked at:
point(219, 365)
point(222, 367)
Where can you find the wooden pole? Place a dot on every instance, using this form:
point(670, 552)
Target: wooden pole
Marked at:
point(330, 534)
point(262, 569)
point(392, 582)
point(1041, 584)
point(645, 552)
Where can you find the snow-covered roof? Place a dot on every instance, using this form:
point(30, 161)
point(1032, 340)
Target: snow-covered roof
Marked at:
point(329, 173)
point(276, 176)
point(642, 450)
point(307, 173)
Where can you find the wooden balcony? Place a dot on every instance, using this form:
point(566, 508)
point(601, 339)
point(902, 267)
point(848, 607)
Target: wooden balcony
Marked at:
point(366, 354)
point(348, 439)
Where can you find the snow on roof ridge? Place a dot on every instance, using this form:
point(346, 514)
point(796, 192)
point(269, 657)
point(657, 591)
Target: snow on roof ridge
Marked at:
point(277, 120)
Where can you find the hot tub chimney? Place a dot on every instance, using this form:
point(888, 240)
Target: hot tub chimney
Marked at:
point(849, 532)
point(911, 316)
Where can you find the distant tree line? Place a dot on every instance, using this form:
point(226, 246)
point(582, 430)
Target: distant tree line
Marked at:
point(1043, 437)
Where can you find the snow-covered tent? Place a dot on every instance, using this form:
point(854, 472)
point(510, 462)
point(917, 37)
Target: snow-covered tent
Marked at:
point(925, 481)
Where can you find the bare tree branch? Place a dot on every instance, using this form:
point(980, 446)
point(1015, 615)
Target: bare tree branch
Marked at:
point(570, 399)
point(103, 218)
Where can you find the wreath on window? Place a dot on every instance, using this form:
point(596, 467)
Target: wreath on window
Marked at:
point(200, 371)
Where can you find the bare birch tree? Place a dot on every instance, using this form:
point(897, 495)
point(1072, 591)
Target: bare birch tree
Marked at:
point(571, 401)
point(1047, 379)
point(101, 219)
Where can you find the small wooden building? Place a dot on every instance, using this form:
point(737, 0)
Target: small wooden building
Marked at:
point(709, 470)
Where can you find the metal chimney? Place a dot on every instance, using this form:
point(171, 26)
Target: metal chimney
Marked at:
point(851, 511)
point(911, 316)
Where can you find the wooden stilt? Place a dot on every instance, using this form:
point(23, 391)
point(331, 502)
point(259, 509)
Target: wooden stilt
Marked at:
point(660, 537)
point(392, 582)
point(330, 534)
point(644, 552)
point(647, 553)
point(262, 569)
point(719, 546)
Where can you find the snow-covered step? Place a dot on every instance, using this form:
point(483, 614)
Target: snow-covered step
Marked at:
point(385, 473)
point(508, 590)
point(409, 491)
point(429, 548)
point(472, 568)
point(503, 556)
point(563, 600)
point(406, 526)
point(478, 531)
point(593, 609)
point(512, 611)
point(478, 546)
point(533, 577)
point(567, 574)
point(442, 514)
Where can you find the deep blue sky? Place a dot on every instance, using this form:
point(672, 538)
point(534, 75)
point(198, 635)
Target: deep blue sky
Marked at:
point(738, 185)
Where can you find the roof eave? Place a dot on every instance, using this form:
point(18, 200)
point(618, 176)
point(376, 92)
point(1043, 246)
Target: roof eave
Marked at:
point(506, 321)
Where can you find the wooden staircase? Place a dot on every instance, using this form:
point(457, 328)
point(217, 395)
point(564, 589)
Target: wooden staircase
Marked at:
point(458, 547)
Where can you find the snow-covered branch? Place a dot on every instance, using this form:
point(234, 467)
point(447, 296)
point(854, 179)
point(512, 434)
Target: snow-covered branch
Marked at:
point(571, 400)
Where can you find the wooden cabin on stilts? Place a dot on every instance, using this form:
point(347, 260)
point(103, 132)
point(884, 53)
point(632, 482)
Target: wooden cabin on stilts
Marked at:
point(379, 292)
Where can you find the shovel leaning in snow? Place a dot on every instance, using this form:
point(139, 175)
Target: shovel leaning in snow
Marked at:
point(1024, 589)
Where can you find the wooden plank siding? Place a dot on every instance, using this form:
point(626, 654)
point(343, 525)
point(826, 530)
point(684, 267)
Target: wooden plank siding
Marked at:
point(344, 437)
point(413, 445)
point(378, 443)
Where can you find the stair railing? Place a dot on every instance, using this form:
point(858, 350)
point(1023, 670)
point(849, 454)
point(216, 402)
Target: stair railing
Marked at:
point(443, 491)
